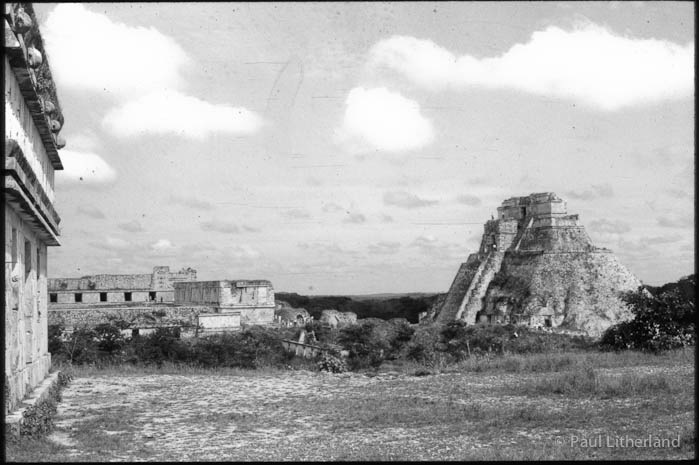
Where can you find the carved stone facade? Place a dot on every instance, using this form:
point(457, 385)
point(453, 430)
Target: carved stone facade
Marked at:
point(253, 300)
point(117, 288)
point(537, 266)
point(33, 119)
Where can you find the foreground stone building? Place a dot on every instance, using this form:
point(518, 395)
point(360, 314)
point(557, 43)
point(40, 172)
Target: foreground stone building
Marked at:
point(33, 119)
point(537, 266)
point(118, 288)
point(244, 301)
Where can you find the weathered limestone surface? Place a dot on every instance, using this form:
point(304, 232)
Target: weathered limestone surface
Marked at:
point(288, 316)
point(252, 299)
point(578, 291)
point(135, 317)
point(32, 121)
point(337, 319)
point(157, 286)
point(536, 265)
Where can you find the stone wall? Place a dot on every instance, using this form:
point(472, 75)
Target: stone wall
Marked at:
point(27, 359)
point(240, 293)
point(133, 317)
point(578, 291)
point(32, 122)
point(157, 286)
point(457, 291)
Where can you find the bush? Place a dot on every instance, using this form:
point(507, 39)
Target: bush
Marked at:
point(109, 338)
point(661, 322)
point(164, 344)
point(81, 346)
point(423, 345)
point(331, 363)
point(55, 336)
point(366, 350)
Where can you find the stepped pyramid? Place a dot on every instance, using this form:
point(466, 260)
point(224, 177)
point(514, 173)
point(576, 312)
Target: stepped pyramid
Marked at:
point(537, 266)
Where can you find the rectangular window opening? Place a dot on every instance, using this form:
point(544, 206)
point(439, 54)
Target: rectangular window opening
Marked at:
point(27, 258)
point(127, 296)
point(53, 298)
point(151, 296)
point(103, 296)
point(78, 297)
point(14, 247)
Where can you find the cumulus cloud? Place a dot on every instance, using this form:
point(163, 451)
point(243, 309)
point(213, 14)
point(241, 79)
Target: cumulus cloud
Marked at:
point(470, 200)
point(162, 245)
point(220, 226)
point(355, 218)
point(113, 57)
point(112, 244)
point(686, 221)
point(131, 226)
point(92, 212)
point(406, 200)
point(589, 65)
point(85, 167)
point(325, 248)
point(85, 140)
point(679, 193)
point(658, 240)
point(191, 202)
point(609, 226)
point(171, 112)
point(599, 190)
point(296, 213)
point(433, 247)
point(331, 208)
point(242, 251)
point(379, 119)
point(384, 248)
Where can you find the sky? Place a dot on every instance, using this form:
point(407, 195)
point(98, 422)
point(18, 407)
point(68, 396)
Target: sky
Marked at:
point(356, 148)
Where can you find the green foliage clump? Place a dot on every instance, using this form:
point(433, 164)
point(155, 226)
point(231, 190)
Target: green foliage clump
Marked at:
point(366, 350)
point(38, 420)
point(331, 363)
point(456, 341)
point(372, 341)
point(661, 322)
point(251, 348)
point(400, 307)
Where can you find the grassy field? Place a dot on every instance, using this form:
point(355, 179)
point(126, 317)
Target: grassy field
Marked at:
point(557, 407)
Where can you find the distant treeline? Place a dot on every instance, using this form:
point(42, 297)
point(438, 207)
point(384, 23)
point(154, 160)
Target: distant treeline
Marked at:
point(400, 307)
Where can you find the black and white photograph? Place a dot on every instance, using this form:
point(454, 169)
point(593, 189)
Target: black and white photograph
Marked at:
point(349, 231)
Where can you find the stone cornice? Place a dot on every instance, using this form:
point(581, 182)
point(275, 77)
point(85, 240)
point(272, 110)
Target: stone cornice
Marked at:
point(30, 65)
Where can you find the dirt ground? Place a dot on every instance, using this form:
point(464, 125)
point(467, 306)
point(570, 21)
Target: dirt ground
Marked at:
point(301, 415)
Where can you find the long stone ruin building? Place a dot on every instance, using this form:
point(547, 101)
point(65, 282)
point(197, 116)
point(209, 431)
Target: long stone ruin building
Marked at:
point(141, 303)
point(33, 119)
point(118, 288)
point(537, 266)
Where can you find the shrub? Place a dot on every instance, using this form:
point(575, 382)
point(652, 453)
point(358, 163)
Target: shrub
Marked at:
point(81, 346)
point(366, 349)
point(661, 322)
point(38, 420)
point(109, 338)
point(55, 337)
point(423, 345)
point(331, 363)
point(163, 344)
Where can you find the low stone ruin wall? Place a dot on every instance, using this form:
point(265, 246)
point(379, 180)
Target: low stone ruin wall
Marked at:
point(135, 317)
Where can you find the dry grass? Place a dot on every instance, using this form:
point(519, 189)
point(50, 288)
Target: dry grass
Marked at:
point(483, 410)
